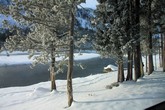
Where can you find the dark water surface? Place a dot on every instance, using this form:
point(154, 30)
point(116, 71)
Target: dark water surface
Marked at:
point(23, 75)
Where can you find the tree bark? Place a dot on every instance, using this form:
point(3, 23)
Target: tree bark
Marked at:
point(150, 57)
point(136, 34)
point(52, 71)
point(146, 63)
point(141, 67)
point(164, 54)
point(120, 71)
point(129, 64)
point(161, 51)
point(69, 75)
point(137, 71)
point(70, 61)
point(129, 34)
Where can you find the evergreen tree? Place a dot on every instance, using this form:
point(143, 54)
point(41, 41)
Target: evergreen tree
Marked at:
point(73, 6)
point(71, 51)
point(151, 68)
point(151, 24)
point(118, 31)
point(158, 13)
point(50, 33)
point(48, 28)
point(136, 37)
point(129, 45)
point(112, 27)
point(164, 55)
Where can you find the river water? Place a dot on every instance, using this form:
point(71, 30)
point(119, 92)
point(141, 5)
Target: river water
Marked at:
point(23, 75)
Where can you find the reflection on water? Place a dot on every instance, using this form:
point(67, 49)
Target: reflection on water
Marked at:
point(23, 75)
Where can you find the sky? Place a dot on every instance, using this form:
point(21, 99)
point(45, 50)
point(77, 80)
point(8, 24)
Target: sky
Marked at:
point(90, 4)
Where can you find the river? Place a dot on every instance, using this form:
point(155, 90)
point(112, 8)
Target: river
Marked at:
point(23, 75)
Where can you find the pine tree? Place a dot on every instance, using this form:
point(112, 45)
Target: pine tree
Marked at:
point(112, 27)
point(70, 61)
point(136, 37)
point(73, 5)
point(158, 13)
point(151, 68)
point(48, 24)
point(164, 55)
point(129, 46)
point(50, 33)
point(151, 24)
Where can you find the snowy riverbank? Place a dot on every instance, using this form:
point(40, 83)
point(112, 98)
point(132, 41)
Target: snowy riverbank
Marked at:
point(89, 93)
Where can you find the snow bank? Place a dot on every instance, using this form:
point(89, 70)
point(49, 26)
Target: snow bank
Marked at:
point(112, 67)
point(90, 93)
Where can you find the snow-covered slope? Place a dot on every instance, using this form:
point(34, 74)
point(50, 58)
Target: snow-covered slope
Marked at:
point(3, 17)
point(9, 19)
point(5, 2)
point(84, 16)
point(85, 13)
point(90, 93)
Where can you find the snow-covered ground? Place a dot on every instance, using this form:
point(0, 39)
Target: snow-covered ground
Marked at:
point(90, 93)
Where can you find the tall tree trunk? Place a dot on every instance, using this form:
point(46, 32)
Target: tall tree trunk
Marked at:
point(155, 62)
point(146, 63)
point(52, 71)
point(137, 54)
point(118, 76)
point(161, 51)
point(150, 57)
point(129, 34)
point(137, 71)
point(129, 72)
point(141, 67)
point(70, 61)
point(131, 65)
point(128, 66)
point(120, 71)
point(164, 54)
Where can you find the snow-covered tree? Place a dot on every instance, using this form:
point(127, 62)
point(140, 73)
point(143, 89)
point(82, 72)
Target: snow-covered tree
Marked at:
point(52, 33)
point(73, 5)
point(158, 23)
point(112, 34)
point(48, 24)
point(152, 12)
point(118, 32)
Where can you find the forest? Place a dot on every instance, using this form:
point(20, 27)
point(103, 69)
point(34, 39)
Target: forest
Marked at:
point(119, 29)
